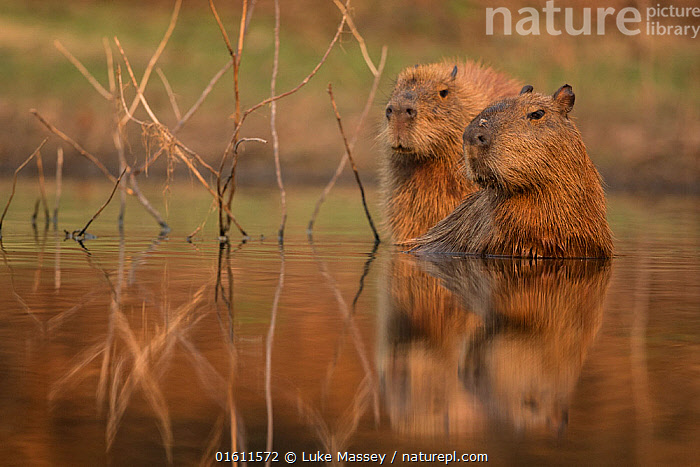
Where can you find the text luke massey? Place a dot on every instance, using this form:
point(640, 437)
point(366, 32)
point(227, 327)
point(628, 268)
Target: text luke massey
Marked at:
point(318, 456)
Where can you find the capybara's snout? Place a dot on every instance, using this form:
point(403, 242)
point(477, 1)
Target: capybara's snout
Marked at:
point(476, 134)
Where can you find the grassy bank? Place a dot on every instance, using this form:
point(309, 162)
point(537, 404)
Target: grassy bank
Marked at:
point(638, 102)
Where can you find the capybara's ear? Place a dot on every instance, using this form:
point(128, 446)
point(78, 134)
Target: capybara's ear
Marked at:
point(454, 72)
point(527, 88)
point(564, 97)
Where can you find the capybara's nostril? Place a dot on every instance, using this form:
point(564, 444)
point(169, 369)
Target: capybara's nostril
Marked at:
point(476, 136)
point(389, 111)
point(411, 112)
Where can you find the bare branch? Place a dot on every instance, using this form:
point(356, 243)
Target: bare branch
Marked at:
point(202, 96)
point(110, 66)
point(156, 56)
point(42, 187)
point(139, 90)
point(344, 159)
point(358, 37)
point(116, 185)
point(59, 182)
point(171, 95)
point(14, 181)
point(273, 124)
point(352, 163)
point(75, 145)
point(299, 86)
point(95, 84)
point(222, 29)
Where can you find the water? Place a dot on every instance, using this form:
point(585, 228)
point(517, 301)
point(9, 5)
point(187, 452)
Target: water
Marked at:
point(145, 350)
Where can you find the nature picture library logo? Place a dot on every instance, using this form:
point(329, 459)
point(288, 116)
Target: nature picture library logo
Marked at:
point(658, 20)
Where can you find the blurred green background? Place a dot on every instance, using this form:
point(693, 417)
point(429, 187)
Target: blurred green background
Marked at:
point(637, 97)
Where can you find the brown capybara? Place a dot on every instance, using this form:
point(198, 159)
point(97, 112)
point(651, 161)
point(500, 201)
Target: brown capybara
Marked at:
point(539, 193)
point(422, 169)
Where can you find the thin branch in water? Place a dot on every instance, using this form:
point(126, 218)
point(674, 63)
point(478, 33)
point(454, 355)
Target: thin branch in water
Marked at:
point(42, 187)
point(35, 213)
point(171, 95)
point(365, 272)
point(236, 57)
point(59, 183)
point(204, 222)
point(352, 164)
point(81, 232)
point(217, 198)
point(14, 181)
point(343, 160)
point(239, 122)
point(273, 125)
point(75, 145)
point(84, 71)
point(232, 180)
point(202, 96)
point(117, 129)
point(146, 204)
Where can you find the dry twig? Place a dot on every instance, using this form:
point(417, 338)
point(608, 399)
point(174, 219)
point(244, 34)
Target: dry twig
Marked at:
point(273, 124)
point(80, 233)
point(171, 95)
point(14, 181)
point(352, 164)
point(156, 55)
point(343, 160)
point(75, 145)
point(42, 188)
point(95, 84)
point(59, 183)
point(202, 96)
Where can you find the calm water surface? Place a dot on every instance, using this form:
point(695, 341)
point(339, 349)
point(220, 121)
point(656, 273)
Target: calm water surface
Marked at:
point(147, 350)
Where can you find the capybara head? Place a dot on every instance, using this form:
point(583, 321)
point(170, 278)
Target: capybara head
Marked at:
point(540, 195)
point(431, 104)
point(422, 165)
point(525, 142)
point(425, 112)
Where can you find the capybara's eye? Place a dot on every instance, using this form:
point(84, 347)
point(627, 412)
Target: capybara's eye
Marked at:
point(444, 92)
point(536, 115)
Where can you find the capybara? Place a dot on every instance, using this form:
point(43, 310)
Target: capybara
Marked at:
point(422, 168)
point(539, 193)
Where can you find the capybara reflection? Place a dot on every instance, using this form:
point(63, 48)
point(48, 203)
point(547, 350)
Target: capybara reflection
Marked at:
point(530, 327)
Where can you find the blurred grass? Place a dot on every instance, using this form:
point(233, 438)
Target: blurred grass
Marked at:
point(638, 101)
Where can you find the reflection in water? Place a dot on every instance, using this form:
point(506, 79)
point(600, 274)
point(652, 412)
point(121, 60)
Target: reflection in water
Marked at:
point(471, 341)
point(148, 349)
point(135, 359)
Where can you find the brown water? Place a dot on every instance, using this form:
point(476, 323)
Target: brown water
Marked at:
point(145, 350)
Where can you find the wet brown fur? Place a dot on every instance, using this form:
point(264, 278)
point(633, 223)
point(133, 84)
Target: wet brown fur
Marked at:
point(422, 169)
point(539, 196)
